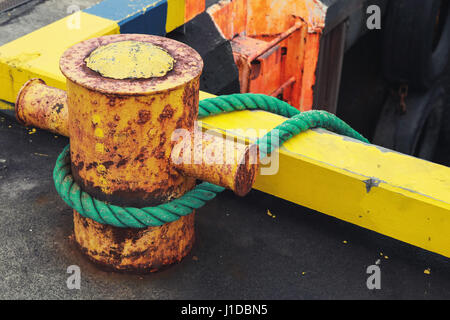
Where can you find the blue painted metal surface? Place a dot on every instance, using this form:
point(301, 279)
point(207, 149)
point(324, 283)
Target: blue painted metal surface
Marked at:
point(134, 16)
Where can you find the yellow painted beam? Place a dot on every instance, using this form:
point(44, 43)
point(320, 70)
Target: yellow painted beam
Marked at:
point(175, 14)
point(6, 105)
point(37, 53)
point(400, 196)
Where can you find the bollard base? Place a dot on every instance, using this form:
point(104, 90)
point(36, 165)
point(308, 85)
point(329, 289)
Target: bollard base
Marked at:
point(134, 250)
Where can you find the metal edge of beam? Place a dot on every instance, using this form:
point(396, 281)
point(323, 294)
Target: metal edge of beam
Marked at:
point(397, 195)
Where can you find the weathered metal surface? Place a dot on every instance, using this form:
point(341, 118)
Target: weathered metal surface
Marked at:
point(272, 64)
point(193, 8)
point(135, 250)
point(120, 143)
point(273, 41)
point(42, 106)
point(221, 161)
point(239, 251)
point(279, 38)
point(281, 91)
point(121, 139)
point(237, 171)
point(230, 17)
point(328, 73)
point(130, 60)
point(261, 74)
point(188, 66)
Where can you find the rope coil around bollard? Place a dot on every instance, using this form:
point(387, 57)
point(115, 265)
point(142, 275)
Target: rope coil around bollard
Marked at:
point(129, 217)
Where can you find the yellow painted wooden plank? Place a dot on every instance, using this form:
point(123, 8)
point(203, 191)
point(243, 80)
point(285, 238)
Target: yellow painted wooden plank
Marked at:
point(37, 53)
point(6, 105)
point(206, 95)
point(397, 195)
point(175, 14)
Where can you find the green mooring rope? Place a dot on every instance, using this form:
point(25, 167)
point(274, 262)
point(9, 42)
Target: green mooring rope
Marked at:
point(128, 217)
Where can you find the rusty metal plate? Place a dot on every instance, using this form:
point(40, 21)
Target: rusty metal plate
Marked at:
point(188, 66)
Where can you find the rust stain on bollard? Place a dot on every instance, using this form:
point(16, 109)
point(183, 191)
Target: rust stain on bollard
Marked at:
point(120, 147)
point(120, 153)
point(120, 124)
point(135, 250)
point(120, 128)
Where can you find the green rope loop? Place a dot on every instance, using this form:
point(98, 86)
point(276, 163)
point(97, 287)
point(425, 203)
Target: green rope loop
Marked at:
point(129, 217)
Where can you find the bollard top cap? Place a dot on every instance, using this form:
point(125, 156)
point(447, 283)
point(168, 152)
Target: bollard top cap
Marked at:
point(130, 60)
point(131, 64)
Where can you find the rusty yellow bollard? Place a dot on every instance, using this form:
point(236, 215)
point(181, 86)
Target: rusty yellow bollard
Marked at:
point(126, 96)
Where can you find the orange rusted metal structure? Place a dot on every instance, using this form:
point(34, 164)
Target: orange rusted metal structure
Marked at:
point(275, 45)
point(193, 8)
point(121, 147)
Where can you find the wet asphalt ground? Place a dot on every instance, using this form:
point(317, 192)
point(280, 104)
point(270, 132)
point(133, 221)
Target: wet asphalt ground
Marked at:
point(240, 252)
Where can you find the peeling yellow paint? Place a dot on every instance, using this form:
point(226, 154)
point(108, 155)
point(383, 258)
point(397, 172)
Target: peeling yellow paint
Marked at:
point(99, 147)
point(101, 169)
point(99, 133)
point(130, 60)
point(104, 186)
point(95, 119)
